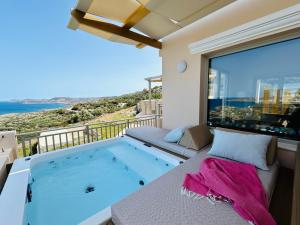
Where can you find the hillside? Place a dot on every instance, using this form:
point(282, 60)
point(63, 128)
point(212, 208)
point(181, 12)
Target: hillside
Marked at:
point(76, 113)
point(60, 100)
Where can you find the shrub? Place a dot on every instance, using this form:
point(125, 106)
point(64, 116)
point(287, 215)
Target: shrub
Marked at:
point(61, 111)
point(74, 119)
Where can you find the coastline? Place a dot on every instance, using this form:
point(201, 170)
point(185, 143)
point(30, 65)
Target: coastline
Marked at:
point(59, 106)
point(24, 113)
point(30, 121)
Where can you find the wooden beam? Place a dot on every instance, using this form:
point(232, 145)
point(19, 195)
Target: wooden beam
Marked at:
point(140, 45)
point(136, 17)
point(114, 29)
point(153, 81)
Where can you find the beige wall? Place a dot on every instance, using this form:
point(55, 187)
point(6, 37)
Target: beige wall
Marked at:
point(181, 92)
point(8, 145)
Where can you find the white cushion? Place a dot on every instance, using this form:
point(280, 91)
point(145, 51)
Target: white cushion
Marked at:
point(246, 148)
point(174, 135)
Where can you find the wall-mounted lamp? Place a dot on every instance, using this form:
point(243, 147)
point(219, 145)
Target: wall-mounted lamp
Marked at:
point(181, 66)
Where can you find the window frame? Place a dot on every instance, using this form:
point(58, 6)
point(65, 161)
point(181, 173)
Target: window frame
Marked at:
point(204, 71)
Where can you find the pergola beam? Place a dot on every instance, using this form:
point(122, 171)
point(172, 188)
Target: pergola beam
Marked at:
point(114, 29)
point(136, 17)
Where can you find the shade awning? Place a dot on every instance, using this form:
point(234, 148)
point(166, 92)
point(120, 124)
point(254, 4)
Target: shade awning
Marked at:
point(139, 22)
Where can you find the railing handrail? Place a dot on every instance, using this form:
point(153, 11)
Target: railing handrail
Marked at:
point(84, 125)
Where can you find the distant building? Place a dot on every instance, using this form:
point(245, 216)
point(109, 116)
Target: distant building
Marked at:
point(122, 104)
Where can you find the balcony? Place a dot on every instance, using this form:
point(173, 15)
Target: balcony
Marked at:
point(209, 32)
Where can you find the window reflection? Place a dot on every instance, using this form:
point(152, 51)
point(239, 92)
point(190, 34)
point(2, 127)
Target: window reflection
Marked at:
point(257, 89)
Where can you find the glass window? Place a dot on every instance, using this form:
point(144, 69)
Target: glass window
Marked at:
point(257, 89)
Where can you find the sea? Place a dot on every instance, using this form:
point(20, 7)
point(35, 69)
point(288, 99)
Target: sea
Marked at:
point(213, 103)
point(19, 107)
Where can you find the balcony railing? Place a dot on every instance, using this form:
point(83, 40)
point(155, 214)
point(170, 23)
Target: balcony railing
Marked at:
point(51, 140)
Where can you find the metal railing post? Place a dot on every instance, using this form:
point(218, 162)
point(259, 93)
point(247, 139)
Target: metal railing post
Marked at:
point(88, 133)
point(23, 147)
point(39, 145)
point(127, 124)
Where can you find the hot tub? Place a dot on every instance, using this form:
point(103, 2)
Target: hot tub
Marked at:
point(77, 185)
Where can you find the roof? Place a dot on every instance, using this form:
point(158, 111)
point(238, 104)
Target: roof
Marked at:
point(139, 22)
point(154, 78)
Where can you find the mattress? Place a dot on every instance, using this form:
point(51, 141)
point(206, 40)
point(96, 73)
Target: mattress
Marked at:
point(161, 202)
point(155, 136)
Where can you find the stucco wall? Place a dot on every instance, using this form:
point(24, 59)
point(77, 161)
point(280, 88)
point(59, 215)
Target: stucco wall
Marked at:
point(8, 145)
point(181, 92)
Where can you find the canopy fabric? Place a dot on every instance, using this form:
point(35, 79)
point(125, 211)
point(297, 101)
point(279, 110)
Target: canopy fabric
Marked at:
point(153, 19)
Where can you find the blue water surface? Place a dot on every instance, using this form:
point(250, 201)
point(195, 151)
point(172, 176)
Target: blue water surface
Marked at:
point(18, 107)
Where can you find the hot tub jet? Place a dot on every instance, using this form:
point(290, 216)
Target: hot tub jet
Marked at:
point(89, 189)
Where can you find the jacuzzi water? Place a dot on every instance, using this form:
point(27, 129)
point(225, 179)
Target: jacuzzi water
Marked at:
point(68, 189)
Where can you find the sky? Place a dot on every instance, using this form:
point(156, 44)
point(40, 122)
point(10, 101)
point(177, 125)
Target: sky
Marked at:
point(41, 58)
point(273, 66)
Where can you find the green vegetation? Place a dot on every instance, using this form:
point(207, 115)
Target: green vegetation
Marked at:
point(76, 114)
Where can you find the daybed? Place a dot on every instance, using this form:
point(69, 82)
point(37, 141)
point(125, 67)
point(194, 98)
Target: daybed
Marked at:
point(155, 136)
point(161, 202)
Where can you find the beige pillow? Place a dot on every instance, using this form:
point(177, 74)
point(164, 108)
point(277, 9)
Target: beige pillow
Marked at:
point(196, 137)
point(272, 148)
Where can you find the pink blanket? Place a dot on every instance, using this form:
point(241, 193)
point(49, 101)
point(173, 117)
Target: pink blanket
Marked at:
point(232, 182)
